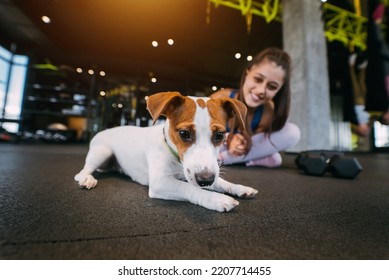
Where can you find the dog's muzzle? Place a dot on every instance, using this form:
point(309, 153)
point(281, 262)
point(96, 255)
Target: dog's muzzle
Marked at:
point(205, 178)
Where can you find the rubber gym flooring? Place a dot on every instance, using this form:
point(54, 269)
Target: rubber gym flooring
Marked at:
point(45, 215)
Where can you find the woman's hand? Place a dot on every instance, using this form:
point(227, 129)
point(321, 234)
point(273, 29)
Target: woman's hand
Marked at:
point(237, 145)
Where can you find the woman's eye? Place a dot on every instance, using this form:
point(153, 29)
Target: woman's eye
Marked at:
point(273, 88)
point(185, 135)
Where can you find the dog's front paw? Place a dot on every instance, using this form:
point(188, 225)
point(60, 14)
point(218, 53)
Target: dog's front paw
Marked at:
point(245, 192)
point(238, 190)
point(220, 202)
point(85, 180)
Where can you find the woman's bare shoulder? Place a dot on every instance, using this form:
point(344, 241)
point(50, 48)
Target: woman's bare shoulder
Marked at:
point(267, 117)
point(269, 106)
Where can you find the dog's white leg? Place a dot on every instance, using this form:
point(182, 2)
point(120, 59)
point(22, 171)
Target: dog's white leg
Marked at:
point(96, 157)
point(241, 191)
point(172, 189)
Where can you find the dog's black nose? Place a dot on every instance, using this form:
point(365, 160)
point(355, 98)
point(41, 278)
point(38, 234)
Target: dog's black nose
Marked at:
point(205, 178)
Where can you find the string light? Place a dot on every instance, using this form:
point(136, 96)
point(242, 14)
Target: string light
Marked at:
point(46, 19)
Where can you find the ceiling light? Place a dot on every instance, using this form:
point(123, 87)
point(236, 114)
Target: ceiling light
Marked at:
point(214, 88)
point(237, 55)
point(102, 93)
point(153, 80)
point(46, 19)
point(170, 42)
point(102, 73)
point(154, 43)
point(91, 72)
point(79, 70)
point(249, 58)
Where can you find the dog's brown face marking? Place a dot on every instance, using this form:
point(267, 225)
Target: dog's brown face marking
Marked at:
point(182, 130)
point(218, 115)
point(219, 119)
point(196, 129)
point(181, 112)
point(182, 125)
point(201, 103)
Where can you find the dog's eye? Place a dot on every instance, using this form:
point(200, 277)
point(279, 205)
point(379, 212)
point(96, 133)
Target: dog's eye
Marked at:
point(185, 135)
point(218, 137)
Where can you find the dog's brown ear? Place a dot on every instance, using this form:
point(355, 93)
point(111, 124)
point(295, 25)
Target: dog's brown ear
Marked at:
point(158, 104)
point(236, 109)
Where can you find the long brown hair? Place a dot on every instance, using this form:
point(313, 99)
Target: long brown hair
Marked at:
point(281, 100)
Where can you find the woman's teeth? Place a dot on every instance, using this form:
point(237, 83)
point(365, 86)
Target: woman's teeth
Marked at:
point(256, 98)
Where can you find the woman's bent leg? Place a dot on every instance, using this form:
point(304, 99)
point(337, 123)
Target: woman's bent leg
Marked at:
point(266, 145)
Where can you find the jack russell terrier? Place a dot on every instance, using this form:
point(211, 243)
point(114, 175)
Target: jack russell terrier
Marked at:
point(178, 159)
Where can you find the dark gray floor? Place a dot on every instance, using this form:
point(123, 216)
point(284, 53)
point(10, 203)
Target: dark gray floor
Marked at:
point(44, 215)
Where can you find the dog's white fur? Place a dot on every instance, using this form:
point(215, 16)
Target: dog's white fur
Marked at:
point(178, 159)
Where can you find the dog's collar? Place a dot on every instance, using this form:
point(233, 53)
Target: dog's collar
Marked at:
point(174, 153)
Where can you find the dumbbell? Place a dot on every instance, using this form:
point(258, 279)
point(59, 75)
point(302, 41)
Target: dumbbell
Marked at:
point(317, 163)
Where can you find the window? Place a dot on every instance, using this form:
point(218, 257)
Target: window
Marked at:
point(13, 71)
point(381, 135)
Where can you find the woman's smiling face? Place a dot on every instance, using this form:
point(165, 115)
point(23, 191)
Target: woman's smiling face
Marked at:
point(262, 83)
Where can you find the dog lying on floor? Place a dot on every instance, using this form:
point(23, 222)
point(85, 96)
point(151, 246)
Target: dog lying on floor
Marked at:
point(178, 159)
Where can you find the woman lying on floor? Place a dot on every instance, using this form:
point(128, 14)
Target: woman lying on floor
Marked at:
point(265, 90)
